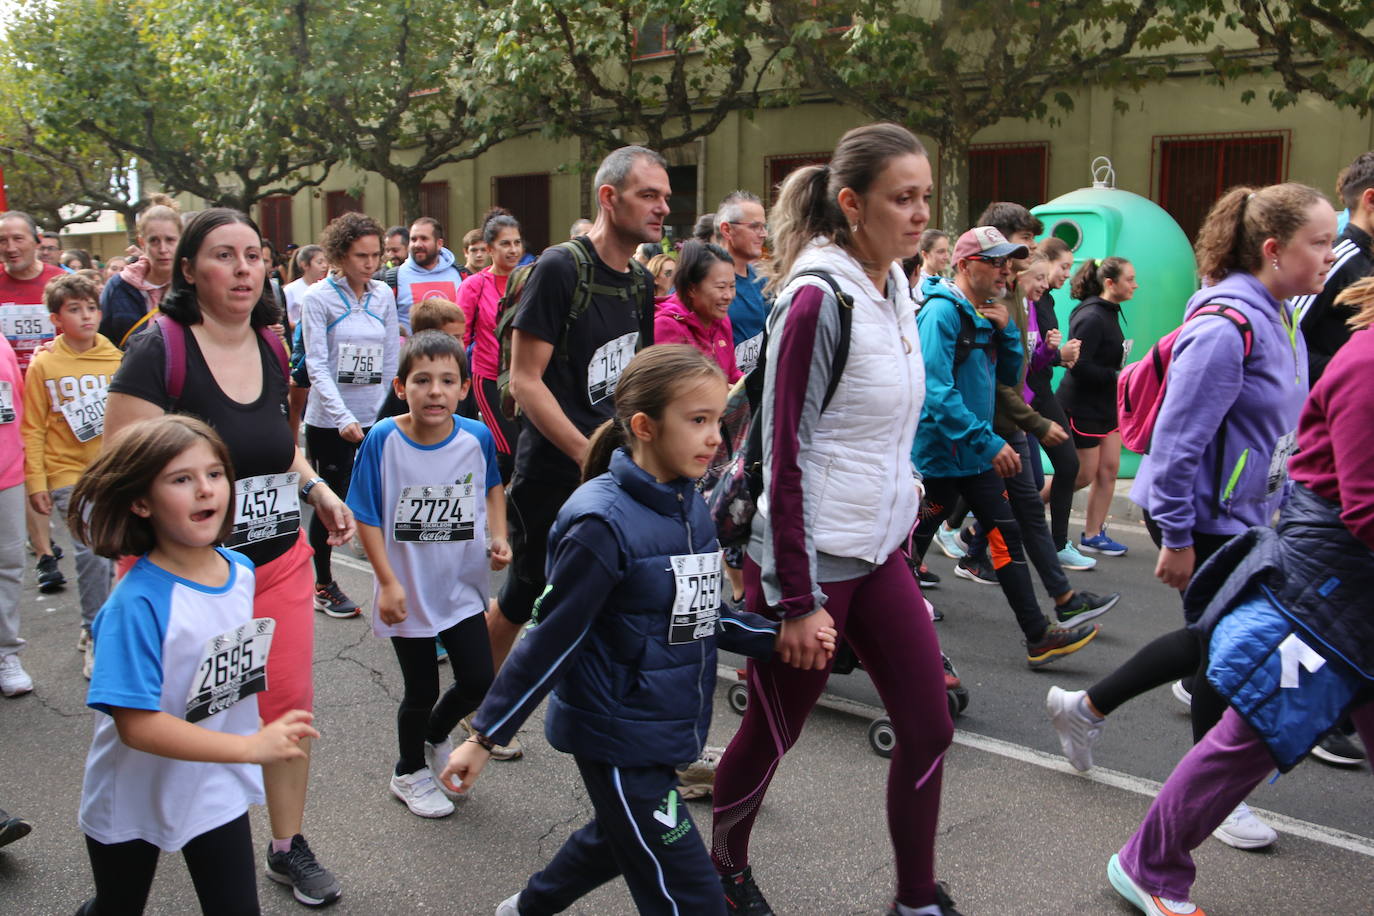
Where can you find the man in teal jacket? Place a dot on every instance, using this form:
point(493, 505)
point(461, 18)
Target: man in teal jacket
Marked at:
point(969, 345)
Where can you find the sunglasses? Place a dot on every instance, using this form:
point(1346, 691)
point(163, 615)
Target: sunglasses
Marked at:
point(997, 263)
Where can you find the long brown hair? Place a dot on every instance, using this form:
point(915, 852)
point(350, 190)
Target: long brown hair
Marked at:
point(649, 384)
point(808, 202)
point(1237, 225)
point(101, 512)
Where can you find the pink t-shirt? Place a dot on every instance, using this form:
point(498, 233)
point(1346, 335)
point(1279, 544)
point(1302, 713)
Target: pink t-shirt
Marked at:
point(11, 415)
point(478, 297)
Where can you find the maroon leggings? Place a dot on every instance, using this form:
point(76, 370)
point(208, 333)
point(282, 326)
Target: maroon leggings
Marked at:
point(883, 618)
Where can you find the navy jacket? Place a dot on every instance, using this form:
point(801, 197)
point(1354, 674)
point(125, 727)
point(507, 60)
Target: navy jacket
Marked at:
point(629, 687)
point(121, 305)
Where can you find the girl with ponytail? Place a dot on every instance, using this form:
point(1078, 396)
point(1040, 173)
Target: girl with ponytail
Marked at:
point(627, 634)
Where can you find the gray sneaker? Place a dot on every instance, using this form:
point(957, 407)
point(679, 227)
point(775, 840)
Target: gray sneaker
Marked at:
point(1078, 730)
point(310, 882)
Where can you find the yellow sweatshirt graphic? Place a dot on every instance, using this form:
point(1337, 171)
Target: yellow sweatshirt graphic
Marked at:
point(55, 454)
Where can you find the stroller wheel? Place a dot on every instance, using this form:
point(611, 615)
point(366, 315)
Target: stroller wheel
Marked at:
point(881, 736)
point(738, 697)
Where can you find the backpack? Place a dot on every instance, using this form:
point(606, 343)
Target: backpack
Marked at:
point(585, 287)
point(1140, 386)
point(174, 344)
point(733, 500)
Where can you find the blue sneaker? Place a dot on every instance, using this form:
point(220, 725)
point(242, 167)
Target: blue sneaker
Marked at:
point(1070, 558)
point(1100, 543)
point(947, 539)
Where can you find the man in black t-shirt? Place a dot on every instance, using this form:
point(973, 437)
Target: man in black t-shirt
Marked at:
point(564, 376)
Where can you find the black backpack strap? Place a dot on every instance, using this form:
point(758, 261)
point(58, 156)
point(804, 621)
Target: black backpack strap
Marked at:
point(845, 303)
point(644, 301)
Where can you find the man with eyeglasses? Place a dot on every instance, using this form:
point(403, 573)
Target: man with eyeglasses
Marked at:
point(969, 345)
point(740, 222)
point(50, 250)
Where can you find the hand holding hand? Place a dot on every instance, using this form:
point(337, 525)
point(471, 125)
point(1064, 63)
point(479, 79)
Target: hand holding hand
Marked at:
point(799, 643)
point(827, 637)
point(281, 739)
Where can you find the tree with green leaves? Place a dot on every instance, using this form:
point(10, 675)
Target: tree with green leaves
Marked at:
point(951, 68)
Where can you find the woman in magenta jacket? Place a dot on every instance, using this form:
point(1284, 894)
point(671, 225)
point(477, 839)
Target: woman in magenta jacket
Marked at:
point(697, 314)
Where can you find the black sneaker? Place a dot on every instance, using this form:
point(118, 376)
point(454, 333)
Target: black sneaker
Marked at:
point(12, 828)
point(942, 900)
point(743, 896)
point(1337, 749)
point(927, 579)
point(1059, 640)
point(330, 600)
point(50, 578)
point(976, 569)
point(1085, 606)
point(310, 882)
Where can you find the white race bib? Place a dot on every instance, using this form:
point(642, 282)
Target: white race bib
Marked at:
point(608, 362)
point(1032, 341)
point(443, 512)
point(265, 507)
point(25, 322)
point(86, 414)
point(359, 364)
point(1126, 346)
point(6, 403)
point(747, 353)
point(232, 666)
point(1278, 463)
point(696, 601)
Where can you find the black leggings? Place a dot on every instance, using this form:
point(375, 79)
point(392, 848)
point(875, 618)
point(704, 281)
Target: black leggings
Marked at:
point(1064, 458)
point(332, 457)
point(424, 715)
point(220, 862)
point(1171, 657)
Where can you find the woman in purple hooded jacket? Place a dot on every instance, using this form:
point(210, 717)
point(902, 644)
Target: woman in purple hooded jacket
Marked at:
point(1217, 463)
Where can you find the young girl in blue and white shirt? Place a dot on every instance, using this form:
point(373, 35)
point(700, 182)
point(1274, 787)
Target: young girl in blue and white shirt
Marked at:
point(178, 661)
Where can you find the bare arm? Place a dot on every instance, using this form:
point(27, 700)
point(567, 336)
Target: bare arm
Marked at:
point(496, 524)
point(529, 358)
point(156, 732)
point(335, 514)
point(391, 595)
point(121, 410)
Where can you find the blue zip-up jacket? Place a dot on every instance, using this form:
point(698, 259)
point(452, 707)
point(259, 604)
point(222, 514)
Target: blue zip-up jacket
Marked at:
point(1218, 459)
point(954, 437)
point(629, 687)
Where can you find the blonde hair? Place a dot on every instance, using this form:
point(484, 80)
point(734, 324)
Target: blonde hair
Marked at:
point(1359, 294)
point(160, 208)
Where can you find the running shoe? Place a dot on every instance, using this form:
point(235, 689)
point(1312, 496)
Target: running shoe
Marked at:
point(1337, 749)
point(83, 640)
point(1243, 830)
point(947, 539)
point(742, 895)
point(14, 680)
point(942, 900)
point(421, 794)
point(88, 665)
point(1149, 904)
point(509, 907)
point(440, 651)
point(698, 778)
point(1182, 693)
point(310, 882)
point(513, 751)
point(50, 578)
point(976, 570)
point(1085, 606)
point(1077, 727)
point(12, 828)
point(436, 758)
point(1059, 640)
point(1100, 543)
point(1071, 558)
point(331, 601)
point(926, 578)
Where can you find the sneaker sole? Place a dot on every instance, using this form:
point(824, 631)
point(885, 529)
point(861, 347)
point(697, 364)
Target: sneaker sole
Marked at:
point(1079, 567)
point(432, 815)
point(1106, 552)
point(1123, 885)
point(51, 587)
point(296, 892)
point(1181, 694)
point(337, 615)
point(1037, 661)
point(23, 691)
point(953, 554)
point(1337, 760)
point(965, 574)
point(1090, 614)
point(14, 829)
point(1240, 842)
point(927, 586)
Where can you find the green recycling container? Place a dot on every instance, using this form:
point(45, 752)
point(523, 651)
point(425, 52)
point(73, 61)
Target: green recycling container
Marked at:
point(1102, 221)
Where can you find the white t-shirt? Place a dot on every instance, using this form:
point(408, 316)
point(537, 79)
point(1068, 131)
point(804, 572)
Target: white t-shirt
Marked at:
point(164, 643)
point(351, 351)
point(430, 502)
point(294, 293)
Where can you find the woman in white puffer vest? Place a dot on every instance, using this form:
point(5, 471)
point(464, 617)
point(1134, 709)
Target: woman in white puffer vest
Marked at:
point(840, 498)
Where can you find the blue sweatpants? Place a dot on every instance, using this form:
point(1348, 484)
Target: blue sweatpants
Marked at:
point(641, 831)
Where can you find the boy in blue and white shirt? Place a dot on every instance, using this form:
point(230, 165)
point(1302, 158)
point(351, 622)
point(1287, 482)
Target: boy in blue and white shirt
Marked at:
point(426, 488)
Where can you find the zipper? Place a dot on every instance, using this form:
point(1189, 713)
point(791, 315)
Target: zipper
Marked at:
point(1235, 477)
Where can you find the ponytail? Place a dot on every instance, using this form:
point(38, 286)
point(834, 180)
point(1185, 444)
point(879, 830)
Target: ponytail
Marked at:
point(608, 437)
point(1238, 224)
point(1091, 279)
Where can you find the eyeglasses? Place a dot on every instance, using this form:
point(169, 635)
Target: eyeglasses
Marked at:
point(995, 263)
point(760, 228)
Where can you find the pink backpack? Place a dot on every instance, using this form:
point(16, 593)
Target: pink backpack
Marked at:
point(1140, 386)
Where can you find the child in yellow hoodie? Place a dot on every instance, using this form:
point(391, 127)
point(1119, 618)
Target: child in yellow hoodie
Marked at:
point(64, 416)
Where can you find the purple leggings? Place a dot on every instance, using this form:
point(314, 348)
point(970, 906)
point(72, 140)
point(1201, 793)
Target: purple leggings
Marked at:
point(1207, 784)
point(883, 618)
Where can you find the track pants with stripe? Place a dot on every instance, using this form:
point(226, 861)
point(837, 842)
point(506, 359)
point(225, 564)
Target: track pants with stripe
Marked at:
point(641, 831)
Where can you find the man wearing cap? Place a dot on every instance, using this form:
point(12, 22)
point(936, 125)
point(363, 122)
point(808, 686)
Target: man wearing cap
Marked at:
point(970, 345)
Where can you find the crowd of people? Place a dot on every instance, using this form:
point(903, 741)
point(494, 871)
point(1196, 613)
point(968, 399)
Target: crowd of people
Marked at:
point(559, 416)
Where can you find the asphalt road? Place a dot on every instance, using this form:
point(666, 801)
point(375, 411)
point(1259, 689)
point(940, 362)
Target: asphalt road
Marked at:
point(1020, 832)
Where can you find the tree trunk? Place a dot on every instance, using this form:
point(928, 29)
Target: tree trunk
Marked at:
point(953, 181)
point(409, 190)
point(586, 203)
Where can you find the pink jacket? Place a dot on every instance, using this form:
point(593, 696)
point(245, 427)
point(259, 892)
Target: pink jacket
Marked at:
point(478, 297)
point(11, 445)
point(136, 275)
point(675, 323)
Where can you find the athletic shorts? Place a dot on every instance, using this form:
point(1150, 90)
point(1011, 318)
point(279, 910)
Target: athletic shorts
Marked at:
point(286, 593)
point(1089, 433)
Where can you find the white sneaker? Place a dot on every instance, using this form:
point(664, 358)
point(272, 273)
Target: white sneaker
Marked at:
point(88, 665)
point(83, 641)
point(1078, 731)
point(509, 907)
point(1182, 695)
point(1243, 830)
point(14, 680)
point(436, 758)
point(420, 792)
